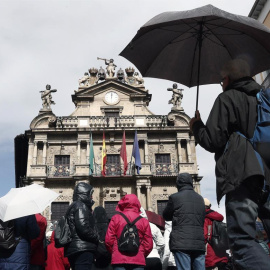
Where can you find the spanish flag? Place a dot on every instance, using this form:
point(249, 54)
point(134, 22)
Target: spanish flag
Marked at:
point(103, 156)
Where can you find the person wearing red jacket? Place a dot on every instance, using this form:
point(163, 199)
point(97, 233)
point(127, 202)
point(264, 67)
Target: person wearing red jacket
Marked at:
point(211, 259)
point(38, 256)
point(130, 206)
point(55, 257)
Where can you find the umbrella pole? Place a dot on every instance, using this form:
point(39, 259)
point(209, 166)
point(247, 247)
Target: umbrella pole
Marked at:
point(199, 64)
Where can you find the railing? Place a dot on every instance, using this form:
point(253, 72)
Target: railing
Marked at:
point(164, 169)
point(60, 171)
point(123, 121)
point(114, 170)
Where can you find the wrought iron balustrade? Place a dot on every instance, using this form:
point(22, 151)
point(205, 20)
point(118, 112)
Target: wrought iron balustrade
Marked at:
point(114, 170)
point(60, 170)
point(164, 169)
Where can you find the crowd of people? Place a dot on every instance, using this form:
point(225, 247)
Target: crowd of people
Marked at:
point(130, 242)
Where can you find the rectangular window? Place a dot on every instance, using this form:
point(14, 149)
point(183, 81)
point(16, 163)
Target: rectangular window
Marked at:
point(110, 208)
point(113, 159)
point(161, 206)
point(61, 160)
point(58, 210)
point(163, 158)
point(113, 166)
point(112, 114)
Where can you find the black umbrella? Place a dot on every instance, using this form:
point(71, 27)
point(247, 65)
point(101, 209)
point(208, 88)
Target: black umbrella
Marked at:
point(190, 47)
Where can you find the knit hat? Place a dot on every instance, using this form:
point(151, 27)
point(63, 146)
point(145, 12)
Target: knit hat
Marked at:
point(207, 202)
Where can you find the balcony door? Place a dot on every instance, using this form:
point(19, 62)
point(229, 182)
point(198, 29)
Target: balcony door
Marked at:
point(162, 164)
point(113, 165)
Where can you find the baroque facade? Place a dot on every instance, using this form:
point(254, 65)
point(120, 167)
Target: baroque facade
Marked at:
point(107, 101)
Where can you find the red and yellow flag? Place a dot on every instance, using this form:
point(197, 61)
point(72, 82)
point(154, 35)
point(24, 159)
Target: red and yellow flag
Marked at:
point(103, 156)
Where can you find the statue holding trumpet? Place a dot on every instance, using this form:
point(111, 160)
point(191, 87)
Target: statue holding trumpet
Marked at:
point(110, 66)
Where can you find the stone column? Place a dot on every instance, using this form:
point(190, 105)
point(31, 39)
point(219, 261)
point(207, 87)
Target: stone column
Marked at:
point(138, 192)
point(149, 202)
point(179, 150)
point(35, 153)
point(146, 152)
point(44, 154)
point(78, 152)
point(188, 150)
point(87, 151)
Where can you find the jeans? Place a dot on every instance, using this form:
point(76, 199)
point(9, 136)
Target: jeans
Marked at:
point(127, 267)
point(81, 261)
point(242, 208)
point(184, 260)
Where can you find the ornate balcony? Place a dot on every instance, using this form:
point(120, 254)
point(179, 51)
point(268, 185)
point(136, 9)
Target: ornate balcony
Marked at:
point(164, 169)
point(114, 170)
point(104, 121)
point(60, 171)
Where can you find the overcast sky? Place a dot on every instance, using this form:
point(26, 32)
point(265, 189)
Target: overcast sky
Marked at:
point(55, 42)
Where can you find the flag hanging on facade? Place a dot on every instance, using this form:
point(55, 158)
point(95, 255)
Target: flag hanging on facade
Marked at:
point(136, 154)
point(103, 156)
point(123, 152)
point(91, 156)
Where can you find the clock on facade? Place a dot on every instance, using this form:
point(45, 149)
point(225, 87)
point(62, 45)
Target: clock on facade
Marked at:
point(111, 97)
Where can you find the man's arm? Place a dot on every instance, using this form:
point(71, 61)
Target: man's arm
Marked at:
point(214, 135)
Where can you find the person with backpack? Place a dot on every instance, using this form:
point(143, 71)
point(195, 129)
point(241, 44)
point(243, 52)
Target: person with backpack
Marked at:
point(129, 238)
point(239, 174)
point(185, 209)
point(80, 251)
point(38, 245)
point(212, 260)
point(55, 257)
point(102, 255)
point(18, 258)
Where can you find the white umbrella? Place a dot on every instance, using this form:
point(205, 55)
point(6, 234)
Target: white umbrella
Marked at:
point(25, 201)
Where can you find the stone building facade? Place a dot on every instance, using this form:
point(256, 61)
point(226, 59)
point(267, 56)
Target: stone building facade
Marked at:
point(110, 102)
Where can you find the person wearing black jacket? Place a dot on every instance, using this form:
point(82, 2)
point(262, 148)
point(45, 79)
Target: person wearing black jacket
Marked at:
point(80, 251)
point(238, 172)
point(187, 212)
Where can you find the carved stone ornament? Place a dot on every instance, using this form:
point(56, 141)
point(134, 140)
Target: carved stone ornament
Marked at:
point(177, 96)
point(158, 197)
point(110, 66)
point(52, 121)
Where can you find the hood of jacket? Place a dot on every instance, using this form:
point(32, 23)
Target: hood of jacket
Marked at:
point(100, 215)
point(246, 85)
point(184, 181)
point(129, 202)
point(83, 192)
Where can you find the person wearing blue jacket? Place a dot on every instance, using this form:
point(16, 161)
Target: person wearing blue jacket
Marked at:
point(26, 228)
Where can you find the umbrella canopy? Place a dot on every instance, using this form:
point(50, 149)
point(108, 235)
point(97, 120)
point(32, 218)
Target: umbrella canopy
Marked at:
point(156, 219)
point(20, 202)
point(190, 47)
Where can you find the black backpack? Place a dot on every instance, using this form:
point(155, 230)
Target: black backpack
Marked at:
point(62, 234)
point(219, 240)
point(8, 240)
point(129, 241)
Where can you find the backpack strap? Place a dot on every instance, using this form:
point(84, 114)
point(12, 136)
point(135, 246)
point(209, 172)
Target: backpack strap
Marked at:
point(127, 220)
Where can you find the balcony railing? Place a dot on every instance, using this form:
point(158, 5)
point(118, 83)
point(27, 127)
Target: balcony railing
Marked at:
point(121, 121)
point(114, 170)
point(60, 171)
point(164, 169)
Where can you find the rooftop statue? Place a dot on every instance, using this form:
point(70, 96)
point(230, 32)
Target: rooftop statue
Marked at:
point(46, 97)
point(84, 81)
point(110, 66)
point(140, 80)
point(177, 96)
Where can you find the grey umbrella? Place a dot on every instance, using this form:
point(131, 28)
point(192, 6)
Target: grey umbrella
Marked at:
point(190, 47)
